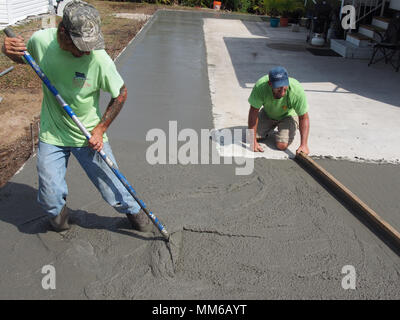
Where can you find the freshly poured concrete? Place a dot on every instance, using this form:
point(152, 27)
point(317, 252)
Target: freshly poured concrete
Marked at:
point(273, 234)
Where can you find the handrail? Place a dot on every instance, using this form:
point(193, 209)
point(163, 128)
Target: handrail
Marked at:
point(373, 5)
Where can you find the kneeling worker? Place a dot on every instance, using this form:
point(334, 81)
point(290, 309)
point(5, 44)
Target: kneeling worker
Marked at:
point(284, 106)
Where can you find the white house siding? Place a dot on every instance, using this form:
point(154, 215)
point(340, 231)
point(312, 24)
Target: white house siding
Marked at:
point(12, 11)
point(3, 12)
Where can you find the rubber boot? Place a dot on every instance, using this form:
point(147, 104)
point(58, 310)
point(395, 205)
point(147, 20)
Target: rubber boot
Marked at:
point(140, 221)
point(60, 222)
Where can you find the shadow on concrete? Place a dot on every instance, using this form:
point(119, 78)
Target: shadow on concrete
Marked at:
point(253, 58)
point(18, 207)
point(215, 15)
point(255, 29)
point(262, 28)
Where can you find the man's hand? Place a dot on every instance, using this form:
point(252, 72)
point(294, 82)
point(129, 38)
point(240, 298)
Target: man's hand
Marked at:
point(304, 149)
point(14, 48)
point(257, 147)
point(96, 141)
point(114, 107)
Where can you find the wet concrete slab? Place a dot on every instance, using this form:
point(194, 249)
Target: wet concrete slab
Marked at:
point(275, 233)
point(375, 184)
point(169, 83)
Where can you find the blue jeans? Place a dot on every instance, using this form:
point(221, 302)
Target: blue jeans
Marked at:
point(52, 165)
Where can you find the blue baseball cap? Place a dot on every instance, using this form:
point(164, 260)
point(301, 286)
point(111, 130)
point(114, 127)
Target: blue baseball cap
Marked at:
point(278, 77)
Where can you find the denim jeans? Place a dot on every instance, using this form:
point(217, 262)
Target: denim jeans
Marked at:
point(52, 165)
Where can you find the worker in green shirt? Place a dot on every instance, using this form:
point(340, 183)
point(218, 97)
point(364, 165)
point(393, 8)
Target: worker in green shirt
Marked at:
point(73, 58)
point(279, 101)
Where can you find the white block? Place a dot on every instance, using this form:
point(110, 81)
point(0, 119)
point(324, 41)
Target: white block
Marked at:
point(366, 32)
point(380, 23)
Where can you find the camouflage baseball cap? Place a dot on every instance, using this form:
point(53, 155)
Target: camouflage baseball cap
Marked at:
point(82, 21)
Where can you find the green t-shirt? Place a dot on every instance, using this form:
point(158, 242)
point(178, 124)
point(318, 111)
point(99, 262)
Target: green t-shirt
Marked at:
point(78, 80)
point(293, 103)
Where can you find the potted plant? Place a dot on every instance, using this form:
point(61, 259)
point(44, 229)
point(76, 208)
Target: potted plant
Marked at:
point(286, 8)
point(271, 8)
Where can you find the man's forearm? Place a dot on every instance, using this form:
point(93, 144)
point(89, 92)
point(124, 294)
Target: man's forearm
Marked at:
point(253, 120)
point(113, 109)
point(304, 128)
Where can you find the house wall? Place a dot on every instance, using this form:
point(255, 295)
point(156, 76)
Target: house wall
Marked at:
point(3, 12)
point(12, 11)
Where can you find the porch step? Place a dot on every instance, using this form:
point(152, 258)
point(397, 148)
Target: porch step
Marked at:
point(381, 22)
point(371, 31)
point(359, 39)
point(349, 50)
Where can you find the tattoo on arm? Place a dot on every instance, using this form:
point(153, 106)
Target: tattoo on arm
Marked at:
point(114, 107)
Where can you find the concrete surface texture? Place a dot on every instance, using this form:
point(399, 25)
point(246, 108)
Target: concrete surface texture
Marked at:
point(273, 234)
point(353, 108)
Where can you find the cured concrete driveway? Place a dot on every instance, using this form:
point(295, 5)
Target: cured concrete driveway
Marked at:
point(354, 109)
point(275, 233)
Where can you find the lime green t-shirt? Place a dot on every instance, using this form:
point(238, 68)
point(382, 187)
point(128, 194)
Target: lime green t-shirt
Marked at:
point(293, 103)
point(78, 80)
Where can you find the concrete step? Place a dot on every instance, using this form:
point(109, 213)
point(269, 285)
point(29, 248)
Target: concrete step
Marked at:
point(349, 50)
point(371, 31)
point(359, 39)
point(381, 22)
